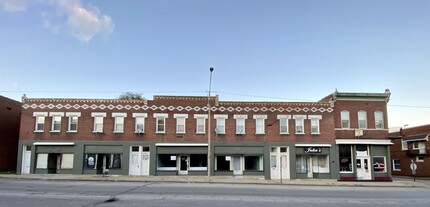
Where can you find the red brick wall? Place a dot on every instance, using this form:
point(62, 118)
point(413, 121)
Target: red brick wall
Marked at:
point(85, 124)
point(9, 133)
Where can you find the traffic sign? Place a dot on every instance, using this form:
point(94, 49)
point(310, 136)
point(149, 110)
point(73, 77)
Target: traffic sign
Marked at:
point(413, 166)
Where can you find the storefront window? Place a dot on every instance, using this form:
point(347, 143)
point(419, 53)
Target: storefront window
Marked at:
point(301, 164)
point(166, 162)
point(97, 161)
point(222, 163)
point(116, 162)
point(90, 161)
point(67, 161)
point(198, 162)
point(42, 161)
point(345, 159)
point(379, 164)
point(320, 164)
point(253, 163)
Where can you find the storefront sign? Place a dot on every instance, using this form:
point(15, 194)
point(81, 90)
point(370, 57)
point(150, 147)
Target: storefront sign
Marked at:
point(313, 150)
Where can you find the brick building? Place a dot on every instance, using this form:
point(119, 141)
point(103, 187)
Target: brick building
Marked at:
point(169, 136)
point(411, 145)
point(10, 114)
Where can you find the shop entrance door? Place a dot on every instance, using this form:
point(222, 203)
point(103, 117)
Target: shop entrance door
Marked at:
point(103, 161)
point(279, 163)
point(363, 171)
point(139, 160)
point(26, 157)
point(183, 165)
point(237, 165)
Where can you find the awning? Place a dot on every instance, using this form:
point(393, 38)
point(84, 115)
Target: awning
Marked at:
point(55, 143)
point(417, 137)
point(313, 145)
point(181, 144)
point(364, 141)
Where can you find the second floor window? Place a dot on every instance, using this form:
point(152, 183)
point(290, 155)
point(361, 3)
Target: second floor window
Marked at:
point(240, 123)
point(160, 123)
point(180, 123)
point(283, 123)
point(73, 121)
point(300, 123)
point(259, 123)
point(379, 120)
point(56, 121)
point(200, 123)
point(39, 121)
point(315, 123)
point(98, 121)
point(139, 125)
point(119, 122)
point(220, 123)
point(362, 120)
point(344, 117)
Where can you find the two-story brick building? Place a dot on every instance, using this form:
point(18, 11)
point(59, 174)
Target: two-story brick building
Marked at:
point(411, 145)
point(169, 136)
point(10, 114)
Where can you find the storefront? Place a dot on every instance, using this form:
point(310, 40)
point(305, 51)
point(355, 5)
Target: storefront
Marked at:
point(239, 160)
point(313, 161)
point(364, 159)
point(52, 157)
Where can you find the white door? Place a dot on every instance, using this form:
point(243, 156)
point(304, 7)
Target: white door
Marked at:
point(237, 165)
point(26, 157)
point(309, 167)
point(139, 160)
point(279, 163)
point(363, 170)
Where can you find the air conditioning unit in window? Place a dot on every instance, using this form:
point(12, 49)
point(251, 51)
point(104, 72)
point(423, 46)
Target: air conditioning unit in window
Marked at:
point(358, 132)
point(139, 132)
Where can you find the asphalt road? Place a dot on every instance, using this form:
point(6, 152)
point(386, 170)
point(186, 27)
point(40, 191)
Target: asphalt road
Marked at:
point(35, 193)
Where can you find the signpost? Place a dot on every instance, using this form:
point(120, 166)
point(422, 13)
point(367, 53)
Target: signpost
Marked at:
point(413, 167)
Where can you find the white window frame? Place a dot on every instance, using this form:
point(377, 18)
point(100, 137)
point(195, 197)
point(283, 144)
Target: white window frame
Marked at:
point(344, 115)
point(160, 116)
point(54, 116)
point(404, 145)
point(101, 116)
point(72, 115)
point(299, 119)
point(379, 117)
point(418, 158)
point(362, 112)
point(260, 117)
point(220, 123)
point(240, 121)
point(39, 115)
point(385, 163)
point(421, 145)
point(394, 166)
point(315, 119)
point(139, 116)
point(119, 117)
point(202, 119)
point(286, 118)
point(181, 119)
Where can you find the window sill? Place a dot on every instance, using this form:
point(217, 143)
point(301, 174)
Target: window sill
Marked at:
point(240, 134)
point(96, 132)
point(55, 131)
point(300, 133)
point(38, 131)
point(118, 132)
point(315, 133)
point(220, 133)
point(72, 131)
point(160, 132)
point(284, 133)
point(141, 132)
point(260, 133)
point(200, 132)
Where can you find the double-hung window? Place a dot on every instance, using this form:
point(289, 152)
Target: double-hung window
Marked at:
point(139, 122)
point(300, 123)
point(220, 123)
point(259, 123)
point(379, 120)
point(200, 123)
point(180, 122)
point(73, 121)
point(56, 121)
point(240, 123)
point(40, 121)
point(283, 123)
point(315, 123)
point(362, 119)
point(344, 117)
point(160, 122)
point(98, 121)
point(119, 122)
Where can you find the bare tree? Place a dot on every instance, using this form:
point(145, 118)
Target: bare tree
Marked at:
point(131, 96)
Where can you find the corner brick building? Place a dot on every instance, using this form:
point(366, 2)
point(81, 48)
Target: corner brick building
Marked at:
point(411, 145)
point(169, 136)
point(10, 114)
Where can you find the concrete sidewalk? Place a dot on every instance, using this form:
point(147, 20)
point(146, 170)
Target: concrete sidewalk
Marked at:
point(214, 179)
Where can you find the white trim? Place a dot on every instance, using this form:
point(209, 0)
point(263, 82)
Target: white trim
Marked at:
point(240, 116)
point(69, 114)
point(160, 115)
point(220, 116)
point(260, 116)
point(180, 116)
point(314, 116)
point(313, 145)
point(199, 116)
point(60, 114)
point(144, 115)
point(181, 144)
point(364, 141)
point(119, 114)
point(299, 116)
point(352, 129)
point(102, 114)
point(283, 116)
point(40, 113)
point(54, 143)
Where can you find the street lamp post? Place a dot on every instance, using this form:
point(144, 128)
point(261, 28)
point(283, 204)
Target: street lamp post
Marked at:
point(209, 124)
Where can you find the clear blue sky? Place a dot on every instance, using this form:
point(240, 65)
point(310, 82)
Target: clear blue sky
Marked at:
point(283, 50)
